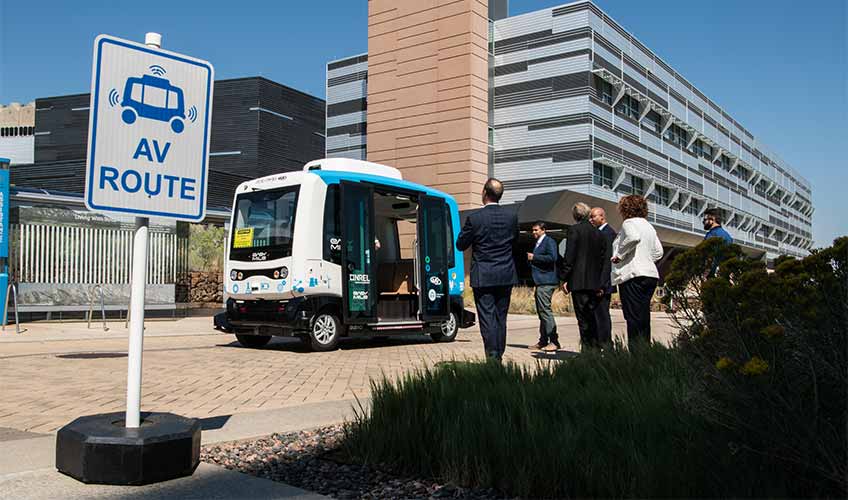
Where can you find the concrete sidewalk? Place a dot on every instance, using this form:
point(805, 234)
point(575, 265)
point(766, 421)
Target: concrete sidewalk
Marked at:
point(27, 464)
point(55, 372)
point(42, 331)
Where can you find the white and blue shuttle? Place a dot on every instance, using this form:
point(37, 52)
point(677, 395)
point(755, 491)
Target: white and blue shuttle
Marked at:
point(342, 248)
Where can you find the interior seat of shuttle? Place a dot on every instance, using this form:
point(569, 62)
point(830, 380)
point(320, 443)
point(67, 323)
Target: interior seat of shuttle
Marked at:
point(396, 278)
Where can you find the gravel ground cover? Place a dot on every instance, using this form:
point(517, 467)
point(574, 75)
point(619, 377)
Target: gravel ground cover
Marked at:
point(310, 460)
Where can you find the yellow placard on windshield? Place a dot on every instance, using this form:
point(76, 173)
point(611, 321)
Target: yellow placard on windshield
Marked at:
point(243, 238)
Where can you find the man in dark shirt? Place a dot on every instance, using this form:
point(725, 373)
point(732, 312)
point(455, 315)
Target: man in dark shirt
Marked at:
point(543, 269)
point(598, 218)
point(582, 269)
point(491, 233)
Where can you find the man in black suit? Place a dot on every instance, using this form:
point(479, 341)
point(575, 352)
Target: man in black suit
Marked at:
point(598, 218)
point(491, 233)
point(582, 271)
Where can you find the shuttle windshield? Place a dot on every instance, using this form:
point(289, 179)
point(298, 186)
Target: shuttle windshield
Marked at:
point(264, 220)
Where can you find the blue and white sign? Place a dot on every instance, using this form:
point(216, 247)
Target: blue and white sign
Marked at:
point(4, 208)
point(148, 141)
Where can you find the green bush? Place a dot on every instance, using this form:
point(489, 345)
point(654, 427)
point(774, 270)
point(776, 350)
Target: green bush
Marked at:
point(608, 425)
point(768, 353)
point(206, 247)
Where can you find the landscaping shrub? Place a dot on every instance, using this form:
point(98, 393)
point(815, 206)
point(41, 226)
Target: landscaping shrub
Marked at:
point(608, 425)
point(751, 400)
point(768, 353)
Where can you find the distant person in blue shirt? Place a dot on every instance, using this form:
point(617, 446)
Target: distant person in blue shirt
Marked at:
point(712, 225)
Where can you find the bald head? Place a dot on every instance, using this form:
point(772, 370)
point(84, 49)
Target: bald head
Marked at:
point(492, 191)
point(597, 216)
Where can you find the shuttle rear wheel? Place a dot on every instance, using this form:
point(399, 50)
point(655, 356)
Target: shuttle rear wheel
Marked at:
point(449, 329)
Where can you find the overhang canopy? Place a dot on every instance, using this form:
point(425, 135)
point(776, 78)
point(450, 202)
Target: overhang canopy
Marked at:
point(554, 209)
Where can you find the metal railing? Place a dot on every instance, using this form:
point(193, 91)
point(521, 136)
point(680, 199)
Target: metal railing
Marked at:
point(97, 288)
point(13, 288)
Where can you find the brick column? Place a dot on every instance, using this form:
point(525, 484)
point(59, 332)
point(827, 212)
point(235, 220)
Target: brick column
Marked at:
point(428, 92)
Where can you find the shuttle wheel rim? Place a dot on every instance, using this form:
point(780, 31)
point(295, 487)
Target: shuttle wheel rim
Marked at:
point(324, 329)
point(449, 325)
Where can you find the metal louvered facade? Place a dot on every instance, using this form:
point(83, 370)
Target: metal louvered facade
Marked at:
point(347, 89)
point(578, 103)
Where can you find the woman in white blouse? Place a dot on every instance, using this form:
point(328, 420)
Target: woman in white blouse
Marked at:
point(634, 252)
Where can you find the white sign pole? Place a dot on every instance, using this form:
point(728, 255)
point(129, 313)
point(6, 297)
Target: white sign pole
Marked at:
point(139, 280)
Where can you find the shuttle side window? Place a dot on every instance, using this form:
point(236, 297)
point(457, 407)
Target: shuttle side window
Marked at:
point(332, 239)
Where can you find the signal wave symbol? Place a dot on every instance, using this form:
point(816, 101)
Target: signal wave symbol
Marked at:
point(157, 70)
point(192, 114)
point(113, 97)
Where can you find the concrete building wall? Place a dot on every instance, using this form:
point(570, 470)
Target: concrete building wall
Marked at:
point(428, 92)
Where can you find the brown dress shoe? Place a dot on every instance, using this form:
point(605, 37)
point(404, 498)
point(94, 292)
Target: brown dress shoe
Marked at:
point(535, 347)
point(550, 348)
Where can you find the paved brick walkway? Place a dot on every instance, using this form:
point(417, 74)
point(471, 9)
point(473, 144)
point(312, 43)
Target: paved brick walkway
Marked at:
point(53, 373)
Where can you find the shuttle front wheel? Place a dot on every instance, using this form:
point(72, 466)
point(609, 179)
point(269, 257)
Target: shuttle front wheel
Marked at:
point(325, 332)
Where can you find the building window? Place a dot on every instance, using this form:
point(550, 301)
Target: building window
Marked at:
point(694, 207)
point(663, 195)
point(677, 136)
point(604, 89)
point(638, 185)
point(698, 148)
point(652, 120)
point(702, 149)
point(628, 106)
point(602, 175)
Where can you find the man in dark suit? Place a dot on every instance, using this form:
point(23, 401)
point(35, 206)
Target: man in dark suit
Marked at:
point(598, 218)
point(582, 271)
point(543, 268)
point(491, 233)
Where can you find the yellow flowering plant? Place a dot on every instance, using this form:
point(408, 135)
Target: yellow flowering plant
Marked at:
point(754, 366)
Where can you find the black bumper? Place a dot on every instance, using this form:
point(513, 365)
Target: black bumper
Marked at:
point(468, 319)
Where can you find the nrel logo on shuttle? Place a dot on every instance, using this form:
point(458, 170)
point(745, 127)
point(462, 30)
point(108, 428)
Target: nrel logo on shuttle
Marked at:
point(148, 145)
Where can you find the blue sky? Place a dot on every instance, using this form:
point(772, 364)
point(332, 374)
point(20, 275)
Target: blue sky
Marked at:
point(777, 66)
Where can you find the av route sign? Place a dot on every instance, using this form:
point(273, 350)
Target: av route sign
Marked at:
point(149, 124)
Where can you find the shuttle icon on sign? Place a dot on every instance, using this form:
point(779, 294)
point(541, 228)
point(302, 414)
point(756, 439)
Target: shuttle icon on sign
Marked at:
point(153, 98)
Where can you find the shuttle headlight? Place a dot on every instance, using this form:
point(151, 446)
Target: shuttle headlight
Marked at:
point(284, 272)
point(240, 275)
point(233, 275)
point(276, 274)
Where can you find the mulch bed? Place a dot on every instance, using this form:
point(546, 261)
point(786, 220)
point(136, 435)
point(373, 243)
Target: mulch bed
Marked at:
point(311, 460)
